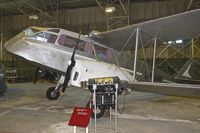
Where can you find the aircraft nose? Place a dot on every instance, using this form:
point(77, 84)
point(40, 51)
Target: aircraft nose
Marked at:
point(13, 42)
point(13, 46)
point(8, 45)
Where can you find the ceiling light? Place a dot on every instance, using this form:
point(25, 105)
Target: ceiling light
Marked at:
point(110, 9)
point(179, 41)
point(164, 42)
point(33, 17)
point(169, 42)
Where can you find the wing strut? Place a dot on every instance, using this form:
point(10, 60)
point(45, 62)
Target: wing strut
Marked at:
point(136, 52)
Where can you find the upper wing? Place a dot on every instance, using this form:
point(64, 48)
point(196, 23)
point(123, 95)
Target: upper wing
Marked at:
point(180, 26)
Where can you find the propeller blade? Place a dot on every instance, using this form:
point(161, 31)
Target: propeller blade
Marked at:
point(76, 46)
point(70, 66)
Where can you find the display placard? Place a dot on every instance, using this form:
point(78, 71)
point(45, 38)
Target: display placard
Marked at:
point(80, 117)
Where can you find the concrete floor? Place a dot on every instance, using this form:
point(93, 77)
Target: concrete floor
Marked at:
point(26, 110)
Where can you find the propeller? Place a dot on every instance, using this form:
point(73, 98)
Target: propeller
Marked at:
point(71, 64)
point(36, 75)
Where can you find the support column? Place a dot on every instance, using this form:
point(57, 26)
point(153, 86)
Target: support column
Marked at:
point(1, 33)
point(154, 59)
point(136, 51)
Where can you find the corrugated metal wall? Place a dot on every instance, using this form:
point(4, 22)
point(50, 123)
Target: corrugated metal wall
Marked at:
point(86, 19)
point(143, 11)
point(93, 18)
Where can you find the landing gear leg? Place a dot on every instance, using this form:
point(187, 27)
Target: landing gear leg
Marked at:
point(53, 92)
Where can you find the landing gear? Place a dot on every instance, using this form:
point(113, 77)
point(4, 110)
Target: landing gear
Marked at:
point(99, 112)
point(52, 94)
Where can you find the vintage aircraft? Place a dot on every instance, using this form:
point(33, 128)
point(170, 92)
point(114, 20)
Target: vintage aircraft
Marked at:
point(53, 49)
point(77, 57)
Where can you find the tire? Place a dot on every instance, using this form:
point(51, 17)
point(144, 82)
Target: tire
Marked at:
point(99, 113)
point(51, 94)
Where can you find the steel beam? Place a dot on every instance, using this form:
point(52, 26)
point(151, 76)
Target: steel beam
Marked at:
point(118, 18)
point(189, 5)
point(123, 7)
point(99, 4)
point(39, 10)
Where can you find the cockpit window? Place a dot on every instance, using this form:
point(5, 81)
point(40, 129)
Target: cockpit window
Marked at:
point(29, 32)
point(45, 37)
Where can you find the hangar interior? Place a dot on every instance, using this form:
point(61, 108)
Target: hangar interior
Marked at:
point(90, 16)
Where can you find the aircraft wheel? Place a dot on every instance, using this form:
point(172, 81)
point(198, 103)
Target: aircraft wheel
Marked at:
point(52, 94)
point(100, 111)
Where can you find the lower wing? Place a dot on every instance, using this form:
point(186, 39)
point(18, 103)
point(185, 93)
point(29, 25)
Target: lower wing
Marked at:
point(187, 90)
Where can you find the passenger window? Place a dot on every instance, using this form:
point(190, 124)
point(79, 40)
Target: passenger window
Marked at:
point(45, 37)
point(109, 54)
point(104, 54)
point(71, 42)
point(67, 41)
point(100, 52)
point(88, 48)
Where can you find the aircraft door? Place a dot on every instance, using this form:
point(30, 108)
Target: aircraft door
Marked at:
point(76, 74)
point(83, 70)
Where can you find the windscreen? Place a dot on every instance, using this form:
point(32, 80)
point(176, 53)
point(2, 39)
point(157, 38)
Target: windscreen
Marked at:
point(45, 37)
point(27, 32)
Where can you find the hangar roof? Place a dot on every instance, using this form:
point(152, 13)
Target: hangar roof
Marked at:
point(13, 7)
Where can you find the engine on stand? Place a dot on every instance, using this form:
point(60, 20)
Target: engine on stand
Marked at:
point(105, 93)
point(104, 96)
